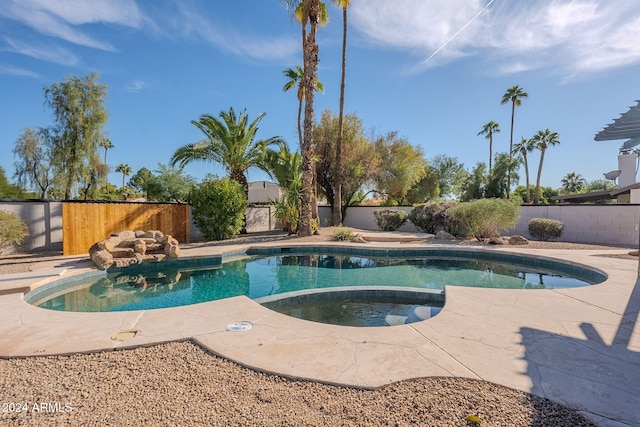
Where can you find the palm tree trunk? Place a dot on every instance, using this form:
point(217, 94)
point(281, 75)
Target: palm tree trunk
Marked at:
point(537, 197)
point(306, 150)
point(513, 113)
point(526, 173)
point(491, 150)
point(337, 183)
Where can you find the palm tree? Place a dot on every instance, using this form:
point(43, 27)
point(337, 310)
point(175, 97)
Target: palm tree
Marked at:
point(336, 215)
point(524, 147)
point(107, 145)
point(296, 77)
point(229, 141)
point(284, 167)
point(489, 129)
point(309, 13)
point(514, 94)
point(542, 140)
point(125, 170)
point(573, 182)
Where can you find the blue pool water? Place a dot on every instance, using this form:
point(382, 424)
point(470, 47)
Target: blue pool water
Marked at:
point(258, 277)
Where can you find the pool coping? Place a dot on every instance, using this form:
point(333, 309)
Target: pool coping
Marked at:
point(577, 346)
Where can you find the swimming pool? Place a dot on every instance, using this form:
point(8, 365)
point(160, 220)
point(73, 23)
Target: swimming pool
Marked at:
point(265, 272)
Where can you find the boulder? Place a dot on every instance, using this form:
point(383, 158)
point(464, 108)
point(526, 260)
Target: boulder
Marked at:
point(443, 235)
point(102, 259)
point(497, 240)
point(133, 247)
point(518, 240)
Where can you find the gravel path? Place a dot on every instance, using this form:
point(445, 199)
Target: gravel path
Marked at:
point(179, 384)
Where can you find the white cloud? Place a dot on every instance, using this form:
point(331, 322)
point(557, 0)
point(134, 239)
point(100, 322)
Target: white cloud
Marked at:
point(61, 18)
point(568, 37)
point(14, 71)
point(136, 86)
point(230, 39)
point(48, 53)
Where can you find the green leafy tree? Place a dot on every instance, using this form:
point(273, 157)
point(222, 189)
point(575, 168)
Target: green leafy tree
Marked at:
point(523, 148)
point(599, 185)
point(218, 207)
point(33, 152)
point(514, 94)
point(229, 141)
point(360, 161)
point(542, 140)
point(504, 172)
point(402, 166)
point(450, 174)
point(146, 183)
point(475, 183)
point(424, 190)
point(488, 130)
point(80, 114)
point(573, 183)
point(8, 190)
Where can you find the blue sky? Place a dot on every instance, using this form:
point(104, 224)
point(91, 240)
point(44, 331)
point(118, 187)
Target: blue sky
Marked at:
point(167, 62)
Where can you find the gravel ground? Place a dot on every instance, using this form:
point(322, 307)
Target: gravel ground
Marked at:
point(132, 387)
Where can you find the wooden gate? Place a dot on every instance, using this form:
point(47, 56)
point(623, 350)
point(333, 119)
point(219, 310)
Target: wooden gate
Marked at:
point(84, 223)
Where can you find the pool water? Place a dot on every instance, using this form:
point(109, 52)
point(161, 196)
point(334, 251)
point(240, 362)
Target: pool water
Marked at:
point(257, 277)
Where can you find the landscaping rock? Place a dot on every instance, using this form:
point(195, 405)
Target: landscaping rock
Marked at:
point(133, 247)
point(443, 235)
point(497, 240)
point(518, 240)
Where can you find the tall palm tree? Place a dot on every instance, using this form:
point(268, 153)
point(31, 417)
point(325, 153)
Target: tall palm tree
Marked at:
point(310, 13)
point(229, 141)
point(515, 94)
point(488, 130)
point(336, 215)
point(296, 77)
point(125, 170)
point(543, 140)
point(524, 147)
point(107, 145)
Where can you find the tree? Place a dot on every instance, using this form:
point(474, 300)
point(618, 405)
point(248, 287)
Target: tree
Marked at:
point(475, 183)
point(145, 182)
point(296, 78)
point(125, 170)
point(573, 183)
point(514, 94)
point(488, 130)
point(33, 167)
point(80, 115)
point(542, 140)
point(360, 161)
point(402, 166)
point(229, 141)
point(284, 167)
point(107, 145)
point(424, 190)
point(7, 189)
point(451, 175)
point(524, 147)
point(336, 217)
point(310, 14)
point(599, 185)
point(505, 171)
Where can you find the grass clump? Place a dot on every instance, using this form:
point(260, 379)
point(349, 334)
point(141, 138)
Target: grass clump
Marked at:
point(342, 234)
point(545, 229)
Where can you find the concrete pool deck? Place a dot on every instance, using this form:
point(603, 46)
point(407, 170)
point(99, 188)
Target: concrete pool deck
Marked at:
point(580, 347)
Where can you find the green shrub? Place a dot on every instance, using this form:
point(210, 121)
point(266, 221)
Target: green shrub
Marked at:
point(389, 220)
point(13, 230)
point(485, 218)
point(287, 214)
point(343, 233)
point(545, 229)
point(218, 208)
point(433, 217)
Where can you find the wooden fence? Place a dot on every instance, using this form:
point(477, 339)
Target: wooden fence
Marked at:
point(84, 223)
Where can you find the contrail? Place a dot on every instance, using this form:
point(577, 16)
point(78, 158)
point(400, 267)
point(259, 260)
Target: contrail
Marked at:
point(459, 31)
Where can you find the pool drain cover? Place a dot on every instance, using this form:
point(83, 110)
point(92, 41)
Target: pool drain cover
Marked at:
point(239, 326)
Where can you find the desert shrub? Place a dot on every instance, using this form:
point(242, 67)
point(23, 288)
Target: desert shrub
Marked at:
point(287, 214)
point(389, 220)
point(433, 217)
point(218, 207)
point(485, 218)
point(13, 230)
point(343, 233)
point(545, 229)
